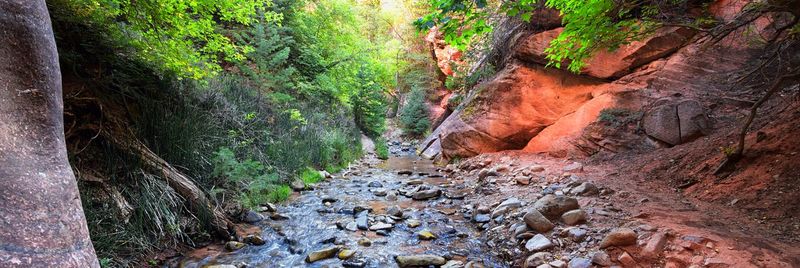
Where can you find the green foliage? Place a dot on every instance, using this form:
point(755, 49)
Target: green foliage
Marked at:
point(381, 149)
point(260, 186)
point(268, 63)
point(369, 104)
point(181, 36)
point(589, 26)
point(311, 176)
point(414, 116)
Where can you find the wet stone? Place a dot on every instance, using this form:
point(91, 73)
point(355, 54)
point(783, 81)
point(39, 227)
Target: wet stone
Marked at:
point(233, 245)
point(346, 254)
point(380, 226)
point(322, 254)
point(426, 194)
point(254, 240)
point(379, 192)
point(375, 184)
point(420, 260)
point(426, 235)
point(252, 217)
point(412, 223)
point(364, 242)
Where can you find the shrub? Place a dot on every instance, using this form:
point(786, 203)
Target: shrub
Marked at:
point(381, 149)
point(414, 117)
point(311, 176)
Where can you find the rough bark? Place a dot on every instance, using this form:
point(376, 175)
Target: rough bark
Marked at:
point(41, 219)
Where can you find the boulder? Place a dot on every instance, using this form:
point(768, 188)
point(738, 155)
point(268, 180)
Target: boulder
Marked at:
point(552, 206)
point(676, 123)
point(419, 260)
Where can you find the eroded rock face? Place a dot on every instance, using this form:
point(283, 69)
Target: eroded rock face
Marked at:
point(446, 55)
point(520, 102)
point(676, 123)
point(614, 64)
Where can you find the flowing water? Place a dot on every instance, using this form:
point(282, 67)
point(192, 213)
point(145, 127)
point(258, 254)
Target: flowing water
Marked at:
point(312, 223)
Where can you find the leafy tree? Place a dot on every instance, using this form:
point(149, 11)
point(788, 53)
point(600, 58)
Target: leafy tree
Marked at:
point(268, 63)
point(176, 35)
point(414, 117)
point(369, 108)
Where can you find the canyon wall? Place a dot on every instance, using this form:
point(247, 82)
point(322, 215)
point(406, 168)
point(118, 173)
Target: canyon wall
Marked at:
point(529, 107)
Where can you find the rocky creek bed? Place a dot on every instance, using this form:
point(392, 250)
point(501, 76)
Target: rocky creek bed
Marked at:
point(494, 211)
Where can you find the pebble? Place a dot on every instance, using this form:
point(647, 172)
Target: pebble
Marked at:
point(346, 254)
point(558, 264)
point(234, 245)
point(538, 243)
point(391, 196)
point(364, 242)
point(375, 184)
point(394, 211)
point(254, 240)
point(379, 192)
point(412, 223)
point(576, 234)
point(252, 217)
point(426, 235)
point(585, 189)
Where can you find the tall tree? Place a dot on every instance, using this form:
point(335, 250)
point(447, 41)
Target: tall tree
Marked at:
point(41, 218)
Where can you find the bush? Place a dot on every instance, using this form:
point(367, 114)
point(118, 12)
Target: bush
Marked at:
point(381, 149)
point(414, 117)
point(311, 176)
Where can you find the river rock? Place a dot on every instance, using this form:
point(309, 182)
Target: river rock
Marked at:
point(375, 184)
point(575, 233)
point(297, 185)
point(482, 218)
point(522, 180)
point(379, 192)
point(252, 217)
point(391, 196)
point(234, 245)
point(601, 258)
point(322, 254)
point(346, 254)
point(362, 220)
point(415, 182)
point(351, 226)
point(585, 189)
point(453, 264)
point(536, 259)
point(426, 235)
point(484, 173)
point(552, 206)
point(413, 223)
point(426, 194)
point(380, 226)
point(536, 221)
point(419, 260)
point(574, 217)
point(619, 237)
point(329, 199)
point(579, 263)
point(538, 243)
point(254, 240)
point(394, 211)
point(364, 242)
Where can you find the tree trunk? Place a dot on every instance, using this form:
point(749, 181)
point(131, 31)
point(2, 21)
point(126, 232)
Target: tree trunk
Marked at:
point(41, 219)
